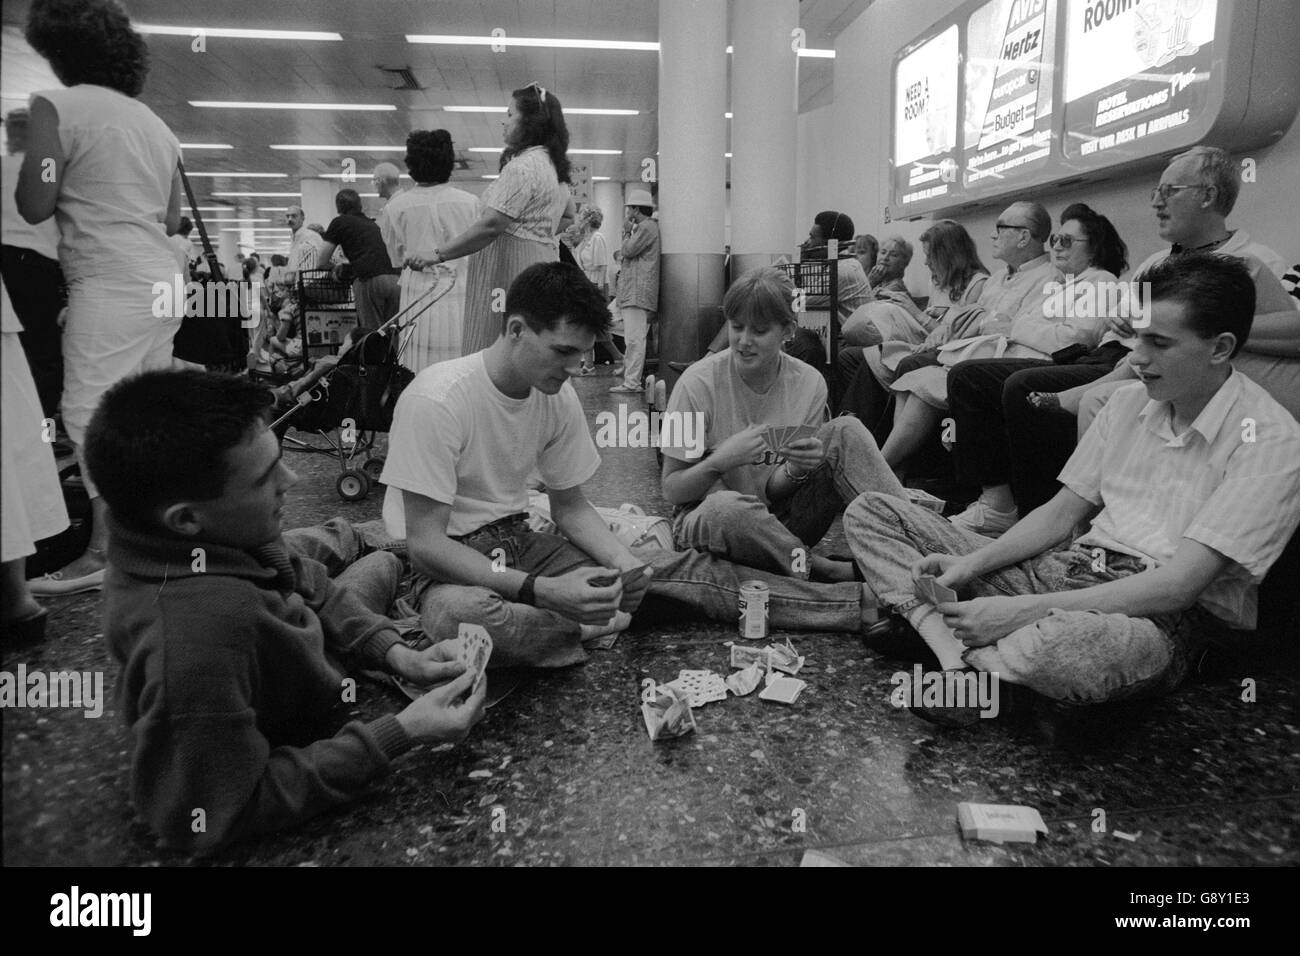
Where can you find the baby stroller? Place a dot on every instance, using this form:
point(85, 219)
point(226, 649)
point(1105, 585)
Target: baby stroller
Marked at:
point(348, 398)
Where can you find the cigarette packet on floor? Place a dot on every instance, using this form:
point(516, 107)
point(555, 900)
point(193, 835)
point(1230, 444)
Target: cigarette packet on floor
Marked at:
point(999, 823)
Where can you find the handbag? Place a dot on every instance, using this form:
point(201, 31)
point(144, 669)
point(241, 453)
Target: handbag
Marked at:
point(217, 342)
point(363, 387)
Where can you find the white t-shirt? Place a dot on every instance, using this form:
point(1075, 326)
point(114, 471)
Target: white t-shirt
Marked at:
point(458, 440)
point(117, 182)
point(712, 386)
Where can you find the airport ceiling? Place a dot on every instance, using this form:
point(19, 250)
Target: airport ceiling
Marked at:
point(375, 64)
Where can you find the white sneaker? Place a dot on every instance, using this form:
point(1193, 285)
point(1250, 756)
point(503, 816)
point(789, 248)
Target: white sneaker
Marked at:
point(981, 519)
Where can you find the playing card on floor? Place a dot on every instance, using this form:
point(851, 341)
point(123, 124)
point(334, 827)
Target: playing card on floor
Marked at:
point(783, 690)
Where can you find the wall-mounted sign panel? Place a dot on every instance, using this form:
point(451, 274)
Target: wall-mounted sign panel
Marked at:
point(1039, 91)
point(1138, 78)
point(1007, 133)
point(925, 121)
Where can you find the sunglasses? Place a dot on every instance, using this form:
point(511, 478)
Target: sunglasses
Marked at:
point(1063, 240)
point(541, 97)
point(1004, 225)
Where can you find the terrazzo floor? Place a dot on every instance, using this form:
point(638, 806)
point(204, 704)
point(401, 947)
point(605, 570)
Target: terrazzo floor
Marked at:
point(561, 771)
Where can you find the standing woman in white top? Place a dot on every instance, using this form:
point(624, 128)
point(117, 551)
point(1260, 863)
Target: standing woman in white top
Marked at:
point(427, 216)
point(592, 254)
point(106, 168)
point(523, 210)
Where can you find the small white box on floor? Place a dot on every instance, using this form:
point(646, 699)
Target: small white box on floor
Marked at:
point(1000, 823)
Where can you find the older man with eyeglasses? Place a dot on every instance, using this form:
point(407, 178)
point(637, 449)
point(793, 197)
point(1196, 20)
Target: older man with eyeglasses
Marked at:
point(1039, 402)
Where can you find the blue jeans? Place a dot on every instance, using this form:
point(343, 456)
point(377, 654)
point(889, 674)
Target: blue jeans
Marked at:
point(523, 635)
point(744, 529)
point(1074, 656)
point(361, 558)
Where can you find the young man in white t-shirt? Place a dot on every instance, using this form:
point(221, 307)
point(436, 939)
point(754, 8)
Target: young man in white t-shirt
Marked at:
point(466, 436)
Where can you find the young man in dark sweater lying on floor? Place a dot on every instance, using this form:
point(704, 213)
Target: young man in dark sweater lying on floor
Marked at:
point(222, 631)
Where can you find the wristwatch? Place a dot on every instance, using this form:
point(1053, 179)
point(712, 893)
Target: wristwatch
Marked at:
point(526, 593)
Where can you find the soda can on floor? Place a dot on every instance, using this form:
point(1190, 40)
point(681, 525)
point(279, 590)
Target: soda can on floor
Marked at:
point(753, 610)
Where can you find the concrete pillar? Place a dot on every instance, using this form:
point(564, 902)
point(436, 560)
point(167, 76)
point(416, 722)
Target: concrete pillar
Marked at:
point(692, 175)
point(763, 133)
point(318, 200)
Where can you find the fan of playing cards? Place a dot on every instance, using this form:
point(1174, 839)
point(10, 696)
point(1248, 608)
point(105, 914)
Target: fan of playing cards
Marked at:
point(929, 590)
point(778, 436)
point(475, 649)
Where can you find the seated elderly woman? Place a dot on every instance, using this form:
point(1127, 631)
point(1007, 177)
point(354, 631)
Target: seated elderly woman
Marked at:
point(1088, 252)
point(759, 475)
point(891, 315)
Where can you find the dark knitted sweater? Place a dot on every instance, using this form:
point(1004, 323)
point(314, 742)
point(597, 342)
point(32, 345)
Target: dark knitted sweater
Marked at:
point(227, 691)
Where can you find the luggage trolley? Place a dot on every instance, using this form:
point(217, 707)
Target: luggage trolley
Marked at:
point(349, 397)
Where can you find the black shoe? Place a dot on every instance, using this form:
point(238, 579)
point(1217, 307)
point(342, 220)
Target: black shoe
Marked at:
point(680, 366)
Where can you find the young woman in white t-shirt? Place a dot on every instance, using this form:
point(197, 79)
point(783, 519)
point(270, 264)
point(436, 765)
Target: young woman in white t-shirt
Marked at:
point(741, 491)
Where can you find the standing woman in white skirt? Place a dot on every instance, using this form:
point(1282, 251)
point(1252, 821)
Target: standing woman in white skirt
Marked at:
point(522, 212)
point(427, 216)
point(106, 167)
point(31, 500)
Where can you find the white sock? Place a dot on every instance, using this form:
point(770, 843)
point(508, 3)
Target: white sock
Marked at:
point(998, 497)
point(617, 624)
point(938, 636)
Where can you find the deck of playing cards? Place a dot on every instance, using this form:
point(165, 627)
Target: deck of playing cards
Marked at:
point(476, 648)
point(783, 690)
point(999, 823)
point(668, 714)
point(929, 590)
point(701, 687)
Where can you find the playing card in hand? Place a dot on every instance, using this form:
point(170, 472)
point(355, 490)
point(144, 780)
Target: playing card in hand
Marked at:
point(476, 648)
point(929, 590)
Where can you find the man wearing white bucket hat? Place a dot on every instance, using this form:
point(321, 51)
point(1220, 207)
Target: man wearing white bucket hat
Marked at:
point(638, 283)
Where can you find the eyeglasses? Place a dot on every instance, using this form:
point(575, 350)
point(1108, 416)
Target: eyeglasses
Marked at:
point(1004, 225)
point(1065, 241)
point(1165, 190)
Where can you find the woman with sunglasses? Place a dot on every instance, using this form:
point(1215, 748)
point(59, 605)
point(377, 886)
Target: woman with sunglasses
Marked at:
point(523, 211)
point(1089, 253)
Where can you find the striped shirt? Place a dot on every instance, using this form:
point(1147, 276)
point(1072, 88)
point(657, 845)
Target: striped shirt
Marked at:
point(1230, 481)
point(529, 192)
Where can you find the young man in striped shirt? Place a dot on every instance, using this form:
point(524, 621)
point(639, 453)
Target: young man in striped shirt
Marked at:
point(1191, 479)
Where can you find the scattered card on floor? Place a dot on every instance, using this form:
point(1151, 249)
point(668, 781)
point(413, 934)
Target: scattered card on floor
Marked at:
point(783, 690)
point(742, 656)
